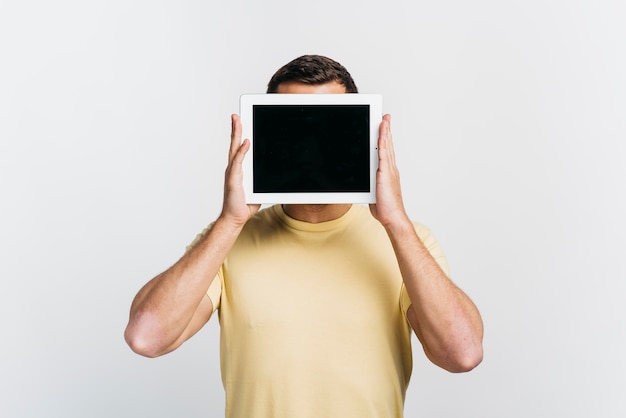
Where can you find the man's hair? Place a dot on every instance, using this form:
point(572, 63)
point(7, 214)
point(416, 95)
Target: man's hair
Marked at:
point(312, 70)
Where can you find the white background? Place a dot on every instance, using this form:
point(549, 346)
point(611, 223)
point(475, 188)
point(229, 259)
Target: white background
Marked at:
point(508, 118)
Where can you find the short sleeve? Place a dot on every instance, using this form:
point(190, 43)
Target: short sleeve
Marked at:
point(435, 251)
point(215, 291)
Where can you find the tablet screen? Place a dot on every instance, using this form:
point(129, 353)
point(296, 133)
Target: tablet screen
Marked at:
point(311, 148)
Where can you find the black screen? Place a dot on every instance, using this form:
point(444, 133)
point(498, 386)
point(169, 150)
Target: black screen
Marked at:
point(311, 148)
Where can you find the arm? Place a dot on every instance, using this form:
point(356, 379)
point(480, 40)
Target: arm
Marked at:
point(443, 317)
point(173, 306)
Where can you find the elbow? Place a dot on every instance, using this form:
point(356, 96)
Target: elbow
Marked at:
point(460, 360)
point(466, 353)
point(142, 342)
point(468, 361)
point(139, 345)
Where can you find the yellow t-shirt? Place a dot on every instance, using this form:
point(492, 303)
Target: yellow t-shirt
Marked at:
point(312, 318)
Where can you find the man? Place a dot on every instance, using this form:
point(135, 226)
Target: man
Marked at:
point(316, 302)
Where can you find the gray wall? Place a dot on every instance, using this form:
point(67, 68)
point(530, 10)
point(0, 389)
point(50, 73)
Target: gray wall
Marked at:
point(508, 119)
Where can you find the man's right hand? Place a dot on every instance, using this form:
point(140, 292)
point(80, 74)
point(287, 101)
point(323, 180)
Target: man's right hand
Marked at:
point(234, 208)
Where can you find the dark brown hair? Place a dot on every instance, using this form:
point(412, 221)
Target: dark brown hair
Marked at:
point(313, 70)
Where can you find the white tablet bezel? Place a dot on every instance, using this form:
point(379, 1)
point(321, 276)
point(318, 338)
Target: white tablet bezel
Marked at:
point(248, 101)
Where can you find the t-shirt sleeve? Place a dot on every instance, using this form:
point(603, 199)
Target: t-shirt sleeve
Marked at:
point(214, 291)
point(435, 251)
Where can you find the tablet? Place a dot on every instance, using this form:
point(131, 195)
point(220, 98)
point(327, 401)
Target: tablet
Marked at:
point(311, 148)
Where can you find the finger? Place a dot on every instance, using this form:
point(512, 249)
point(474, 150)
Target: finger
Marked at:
point(234, 171)
point(236, 158)
point(241, 152)
point(392, 152)
point(235, 136)
point(385, 144)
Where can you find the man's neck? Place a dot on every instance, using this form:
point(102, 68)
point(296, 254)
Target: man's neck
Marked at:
point(316, 213)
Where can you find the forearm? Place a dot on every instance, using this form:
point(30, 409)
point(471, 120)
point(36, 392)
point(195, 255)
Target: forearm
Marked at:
point(446, 321)
point(164, 308)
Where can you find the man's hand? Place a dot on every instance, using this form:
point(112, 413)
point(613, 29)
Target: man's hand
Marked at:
point(389, 206)
point(234, 208)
